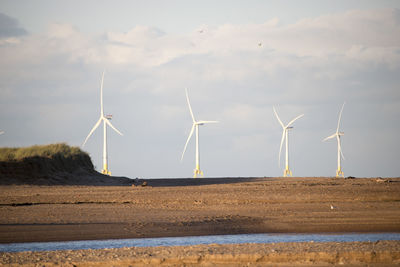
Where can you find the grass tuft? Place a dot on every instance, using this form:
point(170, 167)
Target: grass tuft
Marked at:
point(51, 151)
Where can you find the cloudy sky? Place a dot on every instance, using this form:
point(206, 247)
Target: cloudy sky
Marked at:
point(314, 55)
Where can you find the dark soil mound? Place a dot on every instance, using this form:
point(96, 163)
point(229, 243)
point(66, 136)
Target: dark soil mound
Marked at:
point(55, 164)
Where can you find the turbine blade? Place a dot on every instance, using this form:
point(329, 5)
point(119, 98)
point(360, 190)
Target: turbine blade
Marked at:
point(330, 137)
point(205, 122)
point(101, 95)
point(280, 148)
point(298, 117)
point(112, 126)
point(187, 141)
point(190, 108)
point(276, 114)
point(340, 116)
point(93, 129)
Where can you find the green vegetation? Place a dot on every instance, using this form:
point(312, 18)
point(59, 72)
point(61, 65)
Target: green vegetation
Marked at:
point(51, 151)
point(54, 164)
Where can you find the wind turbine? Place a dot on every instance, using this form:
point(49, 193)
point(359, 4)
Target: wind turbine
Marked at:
point(195, 127)
point(106, 121)
point(285, 135)
point(337, 134)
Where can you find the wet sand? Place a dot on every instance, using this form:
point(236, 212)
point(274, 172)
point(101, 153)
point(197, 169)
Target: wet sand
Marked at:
point(183, 207)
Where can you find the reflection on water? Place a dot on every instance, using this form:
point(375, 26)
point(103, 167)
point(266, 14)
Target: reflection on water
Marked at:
point(196, 240)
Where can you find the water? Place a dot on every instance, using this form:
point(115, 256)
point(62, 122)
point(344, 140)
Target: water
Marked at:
point(195, 240)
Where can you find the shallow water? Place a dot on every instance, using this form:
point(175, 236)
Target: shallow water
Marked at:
point(195, 240)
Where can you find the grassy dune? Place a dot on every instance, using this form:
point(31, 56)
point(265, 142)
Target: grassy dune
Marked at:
point(54, 164)
point(52, 151)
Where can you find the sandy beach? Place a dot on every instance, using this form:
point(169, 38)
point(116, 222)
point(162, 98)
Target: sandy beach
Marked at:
point(181, 207)
point(381, 253)
point(186, 207)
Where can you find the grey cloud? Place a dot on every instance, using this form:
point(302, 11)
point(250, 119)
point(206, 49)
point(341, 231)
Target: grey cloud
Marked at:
point(9, 27)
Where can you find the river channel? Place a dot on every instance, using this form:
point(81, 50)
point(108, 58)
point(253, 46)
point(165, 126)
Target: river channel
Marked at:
point(196, 240)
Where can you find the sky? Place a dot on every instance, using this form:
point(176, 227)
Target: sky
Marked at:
point(237, 59)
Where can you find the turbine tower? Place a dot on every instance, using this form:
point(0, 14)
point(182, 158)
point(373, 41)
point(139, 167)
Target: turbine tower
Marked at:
point(338, 134)
point(285, 135)
point(106, 121)
point(195, 127)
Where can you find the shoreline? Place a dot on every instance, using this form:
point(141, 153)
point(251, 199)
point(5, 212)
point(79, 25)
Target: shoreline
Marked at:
point(180, 241)
point(92, 232)
point(380, 253)
point(211, 206)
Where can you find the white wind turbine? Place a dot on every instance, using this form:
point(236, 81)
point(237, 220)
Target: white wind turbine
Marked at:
point(195, 126)
point(106, 121)
point(337, 134)
point(285, 135)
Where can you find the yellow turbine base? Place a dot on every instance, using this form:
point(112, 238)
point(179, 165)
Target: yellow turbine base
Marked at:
point(197, 172)
point(105, 170)
point(287, 173)
point(339, 173)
